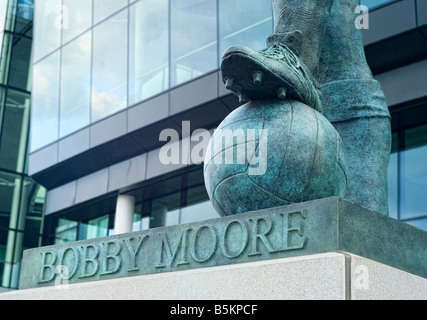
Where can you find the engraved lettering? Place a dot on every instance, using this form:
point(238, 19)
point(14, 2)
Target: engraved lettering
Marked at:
point(246, 237)
point(293, 235)
point(62, 262)
point(207, 247)
point(239, 238)
point(47, 272)
point(172, 254)
point(89, 259)
point(114, 257)
point(133, 252)
point(261, 235)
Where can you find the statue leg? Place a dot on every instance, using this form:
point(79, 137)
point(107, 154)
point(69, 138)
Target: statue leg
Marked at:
point(310, 17)
point(355, 104)
point(368, 143)
point(289, 67)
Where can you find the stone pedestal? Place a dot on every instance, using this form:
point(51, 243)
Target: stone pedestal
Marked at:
point(327, 276)
point(323, 249)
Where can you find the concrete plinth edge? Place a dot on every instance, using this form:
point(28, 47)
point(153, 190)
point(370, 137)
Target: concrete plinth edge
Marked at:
point(326, 276)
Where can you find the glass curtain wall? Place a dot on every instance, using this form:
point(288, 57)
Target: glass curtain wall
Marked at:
point(94, 58)
point(177, 200)
point(116, 54)
point(21, 199)
point(408, 176)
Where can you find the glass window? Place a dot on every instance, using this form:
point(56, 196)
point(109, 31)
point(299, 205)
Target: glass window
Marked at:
point(413, 168)
point(19, 53)
point(4, 228)
point(75, 85)
point(10, 190)
point(31, 234)
point(374, 3)
point(48, 21)
point(78, 16)
point(95, 228)
point(148, 49)
point(198, 212)
point(66, 231)
point(198, 206)
point(23, 11)
point(165, 211)
point(45, 102)
point(244, 22)
point(1, 50)
point(141, 224)
point(2, 106)
point(182, 207)
point(193, 40)
point(419, 223)
point(109, 69)
point(393, 179)
point(14, 132)
point(3, 10)
point(103, 9)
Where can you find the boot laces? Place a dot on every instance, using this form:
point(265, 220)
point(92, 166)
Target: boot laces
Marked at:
point(279, 51)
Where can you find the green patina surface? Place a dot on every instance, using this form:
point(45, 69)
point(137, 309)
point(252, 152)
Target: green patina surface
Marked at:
point(316, 56)
point(325, 225)
point(298, 156)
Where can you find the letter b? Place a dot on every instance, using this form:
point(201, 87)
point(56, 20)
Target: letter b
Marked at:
point(47, 272)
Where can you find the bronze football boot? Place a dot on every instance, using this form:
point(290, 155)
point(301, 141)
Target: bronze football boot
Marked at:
point(276, 72)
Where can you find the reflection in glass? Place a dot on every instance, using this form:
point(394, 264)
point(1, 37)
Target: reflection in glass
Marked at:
point(66, 231)
point(17, 200)
point(95, 228)
point(23, 11)
point(1, 45)
point(374, 3)
point(139, 223)
point(393, 180)
point(103, 9)
point(13, 141)
point(45, 100)
point(419, 223)
point(148, 49)
point(182, 207)
point(198, 212)
point(413, 166)
point(10, 190)
point(244, 22)
point(78, 18)
point(193, 39)
point(109, 69)
point(75, 85)
point(165, 211)
point(3, 10)
point(47, 27)
point(19, 53)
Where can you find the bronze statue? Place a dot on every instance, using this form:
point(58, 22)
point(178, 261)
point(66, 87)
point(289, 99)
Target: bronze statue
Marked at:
point(316, 56)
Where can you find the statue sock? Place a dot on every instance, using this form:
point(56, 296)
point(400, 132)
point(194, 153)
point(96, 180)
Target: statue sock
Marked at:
point(355, 104)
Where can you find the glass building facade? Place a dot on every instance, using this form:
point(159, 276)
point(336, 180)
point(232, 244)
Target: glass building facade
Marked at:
point(93, 59)
point(21, 198)
point(96, 59)
point(170, 201)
